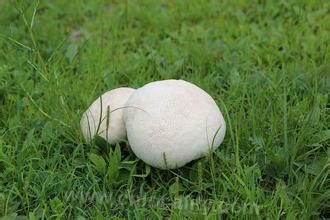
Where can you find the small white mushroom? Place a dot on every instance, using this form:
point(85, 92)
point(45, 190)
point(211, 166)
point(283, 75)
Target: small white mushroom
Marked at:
point(172, 122)
point(105, 116)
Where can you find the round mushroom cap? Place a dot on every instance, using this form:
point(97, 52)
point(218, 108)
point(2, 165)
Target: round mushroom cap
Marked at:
point(172, 122)
point(110, 126)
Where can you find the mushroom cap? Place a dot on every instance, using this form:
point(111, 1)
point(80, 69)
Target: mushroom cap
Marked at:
point(110, 128)
point(172, 122)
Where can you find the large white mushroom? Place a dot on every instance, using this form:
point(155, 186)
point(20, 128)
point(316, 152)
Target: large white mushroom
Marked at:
point(172, 122)
point(105, 116)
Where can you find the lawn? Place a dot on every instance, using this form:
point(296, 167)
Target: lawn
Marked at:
point(266, 64)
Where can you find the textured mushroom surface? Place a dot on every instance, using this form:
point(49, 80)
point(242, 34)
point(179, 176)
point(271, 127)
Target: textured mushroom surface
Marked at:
point(172, 122)
point(110, 125)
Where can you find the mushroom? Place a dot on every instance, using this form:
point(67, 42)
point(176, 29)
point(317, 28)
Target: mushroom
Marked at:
point(105, 116)
point(172, 122)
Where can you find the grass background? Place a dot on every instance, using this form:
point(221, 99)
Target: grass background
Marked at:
point(266, 63)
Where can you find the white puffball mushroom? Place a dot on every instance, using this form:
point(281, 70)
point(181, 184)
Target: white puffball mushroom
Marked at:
point(172, 122)
point(110, 126)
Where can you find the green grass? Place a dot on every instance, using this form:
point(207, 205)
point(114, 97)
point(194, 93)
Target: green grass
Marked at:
point(266, 63)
